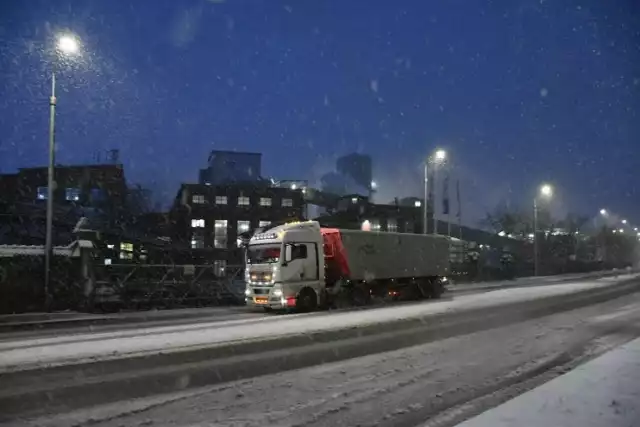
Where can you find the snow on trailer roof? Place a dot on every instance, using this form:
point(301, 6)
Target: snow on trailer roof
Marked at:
point(274, 233)
point(71, 250)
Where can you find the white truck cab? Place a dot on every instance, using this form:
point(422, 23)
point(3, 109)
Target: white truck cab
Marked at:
point(285, 267)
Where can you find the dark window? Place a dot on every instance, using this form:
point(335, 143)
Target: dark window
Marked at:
point(98, 195)
point(299, 251)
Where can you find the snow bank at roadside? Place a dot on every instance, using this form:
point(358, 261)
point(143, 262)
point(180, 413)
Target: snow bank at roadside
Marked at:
point(602, 392)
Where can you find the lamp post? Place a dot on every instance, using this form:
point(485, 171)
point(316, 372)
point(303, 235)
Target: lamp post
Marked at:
point(438, 157)
point(545, 191)
point(66, 45)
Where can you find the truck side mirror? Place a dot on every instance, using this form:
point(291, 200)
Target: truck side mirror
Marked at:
point(288, 253)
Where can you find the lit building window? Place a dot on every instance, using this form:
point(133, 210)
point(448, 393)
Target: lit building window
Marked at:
point(198, 199)
point(197, 240)
point(197, 223)
point(126, 250)
point(392, 225)
point(72, 194)
point(243, 201)
point(219, 267)
point(243, 226)
point(43, 193)
point(221, 200)
point(265, 201)
point(264, 224)
point(287, 203)
point(220, 233)
point(107, 261)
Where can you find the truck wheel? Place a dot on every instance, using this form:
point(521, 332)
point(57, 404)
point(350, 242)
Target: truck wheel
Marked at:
point(307, 300)
point(360, 296)
point(436, 289)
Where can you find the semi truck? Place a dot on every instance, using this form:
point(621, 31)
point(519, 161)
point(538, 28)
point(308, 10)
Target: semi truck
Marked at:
point(302, 266)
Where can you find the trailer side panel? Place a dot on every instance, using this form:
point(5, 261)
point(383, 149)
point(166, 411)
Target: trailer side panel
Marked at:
point(378, 256)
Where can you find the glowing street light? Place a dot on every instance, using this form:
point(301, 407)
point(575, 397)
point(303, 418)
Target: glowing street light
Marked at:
point(439, 156)
point(67, 45)
point(374, 185)
point(603, 212)
point(624, 221)
point(545, 191)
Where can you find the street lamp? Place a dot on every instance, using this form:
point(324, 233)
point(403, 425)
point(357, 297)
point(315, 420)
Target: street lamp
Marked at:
point(66, 45)
point(439, 156)
point(603, 212)
point(624, 221)
point(545, 191)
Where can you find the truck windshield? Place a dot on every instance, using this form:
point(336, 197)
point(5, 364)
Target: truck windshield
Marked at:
point(263, 254)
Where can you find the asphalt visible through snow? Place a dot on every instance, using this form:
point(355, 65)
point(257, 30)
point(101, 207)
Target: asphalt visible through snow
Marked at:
point(436, 384)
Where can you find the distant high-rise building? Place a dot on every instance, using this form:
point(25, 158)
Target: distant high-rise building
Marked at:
point(357, 168)
point(226, 167)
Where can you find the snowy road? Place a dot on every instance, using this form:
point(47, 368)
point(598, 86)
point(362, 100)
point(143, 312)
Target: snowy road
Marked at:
point(437, 384)
point(30, 353)
point(39, 325)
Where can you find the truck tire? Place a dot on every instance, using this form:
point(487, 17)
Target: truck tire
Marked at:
point(436, 288)
point(307, 300)
point(360, 296)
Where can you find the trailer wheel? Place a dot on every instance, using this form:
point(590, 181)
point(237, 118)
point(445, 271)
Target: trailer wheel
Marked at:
point(307, 300)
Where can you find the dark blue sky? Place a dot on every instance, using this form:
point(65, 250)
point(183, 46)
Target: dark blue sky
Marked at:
point(518, 91)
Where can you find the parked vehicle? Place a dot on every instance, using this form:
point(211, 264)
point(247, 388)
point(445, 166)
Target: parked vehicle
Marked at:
point(303, 266)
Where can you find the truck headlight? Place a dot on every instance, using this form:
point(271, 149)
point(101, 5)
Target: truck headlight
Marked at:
point(277, 291)
point(247, 292)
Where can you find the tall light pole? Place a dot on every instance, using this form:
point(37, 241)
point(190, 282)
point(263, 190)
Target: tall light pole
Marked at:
point(438, 156)
point(66, 45)
point(545, 191)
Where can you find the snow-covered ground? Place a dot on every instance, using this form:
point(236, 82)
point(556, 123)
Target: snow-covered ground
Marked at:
point(28, 353)
point(396, 389)
point(604, 392)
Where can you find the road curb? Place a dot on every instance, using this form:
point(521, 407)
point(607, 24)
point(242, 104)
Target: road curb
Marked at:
point(41, 391)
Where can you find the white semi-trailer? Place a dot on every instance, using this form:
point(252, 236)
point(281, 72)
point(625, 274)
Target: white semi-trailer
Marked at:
point(303, 266)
